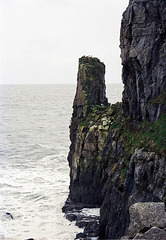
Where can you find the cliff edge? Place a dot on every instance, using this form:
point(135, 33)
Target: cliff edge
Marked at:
point(143, 53)
point(117, 155)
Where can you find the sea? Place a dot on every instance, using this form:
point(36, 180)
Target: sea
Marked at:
point(34, 172)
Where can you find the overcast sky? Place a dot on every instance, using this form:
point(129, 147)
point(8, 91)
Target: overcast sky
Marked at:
point(41, 40)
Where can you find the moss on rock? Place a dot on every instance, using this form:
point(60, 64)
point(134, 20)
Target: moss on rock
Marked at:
point(161, 99)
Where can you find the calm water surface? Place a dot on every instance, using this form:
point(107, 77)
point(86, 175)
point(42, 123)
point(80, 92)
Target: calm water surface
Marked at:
point(34, 173)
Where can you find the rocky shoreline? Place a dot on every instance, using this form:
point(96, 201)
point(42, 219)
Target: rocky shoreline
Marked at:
point(117, 156)
point(86, 217)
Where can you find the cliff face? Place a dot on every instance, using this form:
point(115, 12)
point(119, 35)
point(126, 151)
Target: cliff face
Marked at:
point(118, 152)
point(143, 53)
point(144, 182)
point(84, 157)
point(90, 86)
point(115, 161)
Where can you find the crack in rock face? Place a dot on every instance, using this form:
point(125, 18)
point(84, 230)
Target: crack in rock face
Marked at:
point(143, 53)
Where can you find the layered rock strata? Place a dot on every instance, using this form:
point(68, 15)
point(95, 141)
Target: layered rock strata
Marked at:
point(117, 162)
point(84, 159)
point(143, 53)
point(144, 181)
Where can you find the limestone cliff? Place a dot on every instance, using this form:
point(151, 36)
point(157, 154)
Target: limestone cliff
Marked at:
point(143, 53)
point(118, 152)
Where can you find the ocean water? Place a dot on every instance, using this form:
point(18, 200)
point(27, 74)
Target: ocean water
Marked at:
point(34, 172)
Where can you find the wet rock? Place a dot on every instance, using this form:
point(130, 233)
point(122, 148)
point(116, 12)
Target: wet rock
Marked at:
point(81, 236)
point(82, 223)
point(86, 222)
point(71, 216)
point(82, 218)
point(10, 215)
point(92, 229)
point(71, 207)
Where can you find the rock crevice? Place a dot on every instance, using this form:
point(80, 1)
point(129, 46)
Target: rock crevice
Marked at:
point(143, 44)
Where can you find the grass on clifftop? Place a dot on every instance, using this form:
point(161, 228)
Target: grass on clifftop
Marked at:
point(147, 135)
point(140, 135)
point(133, 134)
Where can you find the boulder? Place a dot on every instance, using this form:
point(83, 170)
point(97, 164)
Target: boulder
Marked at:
point(71, 216)
point(143, 216)
point(80, 236)
point(154, 233)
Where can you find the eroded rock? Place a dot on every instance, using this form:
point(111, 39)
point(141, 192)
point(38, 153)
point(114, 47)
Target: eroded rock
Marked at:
point(85, 184)
point(106, 166)
point(143, 216)
point(143, 53)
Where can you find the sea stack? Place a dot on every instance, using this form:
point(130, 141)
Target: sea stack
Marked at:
point(90, 86)
point(90, 92)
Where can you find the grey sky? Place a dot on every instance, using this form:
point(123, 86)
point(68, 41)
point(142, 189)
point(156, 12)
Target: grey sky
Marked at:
point(41, 40)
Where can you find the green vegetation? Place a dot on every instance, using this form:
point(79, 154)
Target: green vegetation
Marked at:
point(83, 125)
point(97, 112)
point(161, 99)
point(124, 174)
point(99, 109)
point(89, 60)
point(133, 133)
point(147, 135)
